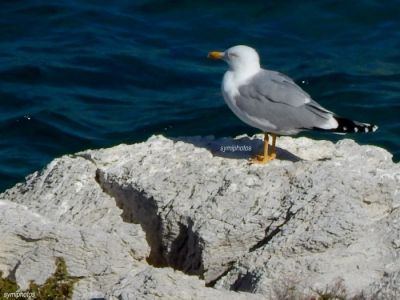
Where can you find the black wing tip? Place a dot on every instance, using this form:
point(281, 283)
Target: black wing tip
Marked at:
point(349, 126)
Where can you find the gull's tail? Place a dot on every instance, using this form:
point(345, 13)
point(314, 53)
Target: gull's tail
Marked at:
point(349, 126)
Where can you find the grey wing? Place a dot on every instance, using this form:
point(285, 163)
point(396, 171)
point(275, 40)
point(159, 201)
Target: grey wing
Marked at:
point(275, 103)
point(275, 87)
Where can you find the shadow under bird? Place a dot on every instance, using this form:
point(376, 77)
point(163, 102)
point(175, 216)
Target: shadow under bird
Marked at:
point(273, 102)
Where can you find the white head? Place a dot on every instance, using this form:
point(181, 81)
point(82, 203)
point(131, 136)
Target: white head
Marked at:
point(239, 58)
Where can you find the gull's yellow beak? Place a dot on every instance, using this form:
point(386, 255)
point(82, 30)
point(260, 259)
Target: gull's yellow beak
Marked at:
point(215, 55)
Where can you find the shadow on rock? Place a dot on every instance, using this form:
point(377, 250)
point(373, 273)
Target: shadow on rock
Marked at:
point(242, 147)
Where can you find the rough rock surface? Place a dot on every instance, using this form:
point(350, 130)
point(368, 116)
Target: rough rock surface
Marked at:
point(124, 217)
point(62, 211)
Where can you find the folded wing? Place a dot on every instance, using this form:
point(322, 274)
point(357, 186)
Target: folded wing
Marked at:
point(277, 104)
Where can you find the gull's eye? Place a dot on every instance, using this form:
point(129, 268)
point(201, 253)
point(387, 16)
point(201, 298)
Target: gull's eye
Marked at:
point(232, 54)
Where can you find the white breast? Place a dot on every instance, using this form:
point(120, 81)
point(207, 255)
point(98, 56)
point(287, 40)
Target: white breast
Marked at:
point(230, 91)
point(229, 88)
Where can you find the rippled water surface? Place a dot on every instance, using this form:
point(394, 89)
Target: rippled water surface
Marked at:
point(89, 74)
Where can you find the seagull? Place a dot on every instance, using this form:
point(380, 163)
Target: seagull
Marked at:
point(273, 102)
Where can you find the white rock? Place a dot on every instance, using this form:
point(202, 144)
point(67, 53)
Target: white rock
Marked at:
point(319, 213)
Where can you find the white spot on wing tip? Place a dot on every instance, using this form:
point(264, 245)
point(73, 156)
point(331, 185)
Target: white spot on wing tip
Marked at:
point(345, 128)
point(366, 129)
point(374, 128)
point(355, 129)
point(330, 124)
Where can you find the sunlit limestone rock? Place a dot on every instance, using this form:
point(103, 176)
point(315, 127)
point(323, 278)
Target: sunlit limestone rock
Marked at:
point(125, 217)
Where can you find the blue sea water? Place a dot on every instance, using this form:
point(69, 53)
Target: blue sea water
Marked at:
point(89, 74)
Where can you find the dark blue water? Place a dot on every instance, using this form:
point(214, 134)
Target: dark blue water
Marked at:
point(88, 74)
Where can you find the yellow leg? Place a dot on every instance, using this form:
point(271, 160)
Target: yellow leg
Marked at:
point(273, 152)
point(265, 157)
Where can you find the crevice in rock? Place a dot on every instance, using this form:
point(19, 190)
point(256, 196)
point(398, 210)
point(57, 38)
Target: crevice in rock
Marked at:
point(269, 235)
point(181, 252)
point(28, 239)
point(245, 283)
point(186, 252)
point(32, 240)
point(137, 208)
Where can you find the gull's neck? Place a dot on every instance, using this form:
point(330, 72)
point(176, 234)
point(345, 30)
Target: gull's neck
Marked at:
point(234, 78)
point(243, 73)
